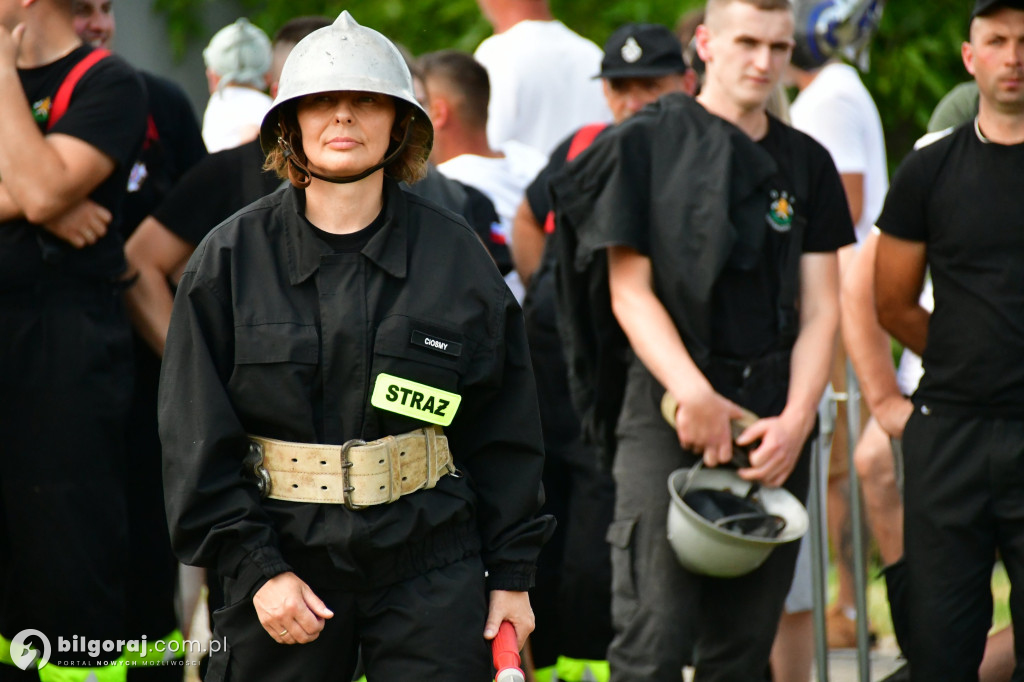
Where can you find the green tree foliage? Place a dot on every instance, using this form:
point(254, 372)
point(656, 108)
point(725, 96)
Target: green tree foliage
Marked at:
point(915, 57)
point(425, 25)
point(915, 60)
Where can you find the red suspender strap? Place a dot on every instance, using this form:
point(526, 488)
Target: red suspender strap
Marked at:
point(580, 141)
point(152, 134)
point(63, 97)
point(584, 136)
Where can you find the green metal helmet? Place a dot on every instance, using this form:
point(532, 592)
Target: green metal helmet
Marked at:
point(833, 28)
point(343, 56)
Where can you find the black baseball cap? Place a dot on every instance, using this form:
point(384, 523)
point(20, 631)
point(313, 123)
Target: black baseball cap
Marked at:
point(642, 51)
point(982, 7)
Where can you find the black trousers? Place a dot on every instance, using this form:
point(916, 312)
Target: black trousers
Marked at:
point(65, 387)
point(426, 628)
point(665, 616)
point(964, 500)
point(572, 597)
point(153, 569)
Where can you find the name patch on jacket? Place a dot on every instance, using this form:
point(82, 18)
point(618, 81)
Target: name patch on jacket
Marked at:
point(413, 399)
point(436, 343)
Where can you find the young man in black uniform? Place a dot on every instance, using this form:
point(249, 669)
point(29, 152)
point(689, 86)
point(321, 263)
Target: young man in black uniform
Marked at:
point(721, 225)
point(573, 594)
point(955, 207)
point(65, 351)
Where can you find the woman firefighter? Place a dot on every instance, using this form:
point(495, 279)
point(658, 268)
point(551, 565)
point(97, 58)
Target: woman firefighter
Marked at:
point(347, 407)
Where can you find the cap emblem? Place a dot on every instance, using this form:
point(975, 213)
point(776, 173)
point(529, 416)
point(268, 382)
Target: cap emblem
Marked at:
point(631, 51)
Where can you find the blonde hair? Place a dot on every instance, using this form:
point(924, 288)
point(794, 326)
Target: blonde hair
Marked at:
point(409, 167)
point(715, 6)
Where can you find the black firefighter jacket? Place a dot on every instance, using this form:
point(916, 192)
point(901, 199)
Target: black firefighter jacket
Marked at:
point(274, 334)
point(676, 183)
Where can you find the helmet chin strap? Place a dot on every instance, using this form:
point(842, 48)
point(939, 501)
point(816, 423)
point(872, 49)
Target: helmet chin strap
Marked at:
point(290, 156)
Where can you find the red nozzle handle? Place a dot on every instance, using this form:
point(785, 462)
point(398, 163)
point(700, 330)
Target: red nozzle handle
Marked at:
point(505, 651)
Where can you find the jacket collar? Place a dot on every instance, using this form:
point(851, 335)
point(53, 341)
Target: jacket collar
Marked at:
point(388, 249)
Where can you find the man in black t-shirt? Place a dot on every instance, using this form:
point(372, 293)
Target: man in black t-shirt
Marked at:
point(641, 63)
point(173, 143)
point(65, 350)
point(572, 597)
point(721, 226)
point(955, 207)
point(208, 194)
point(211, 192)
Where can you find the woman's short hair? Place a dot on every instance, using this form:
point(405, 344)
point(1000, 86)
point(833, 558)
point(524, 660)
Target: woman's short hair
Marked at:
point(409, 167)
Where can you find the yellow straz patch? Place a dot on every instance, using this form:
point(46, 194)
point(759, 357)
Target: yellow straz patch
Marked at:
point(412, 399)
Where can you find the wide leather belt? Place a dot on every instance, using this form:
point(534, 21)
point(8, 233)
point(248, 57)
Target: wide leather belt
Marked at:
point(357, 474)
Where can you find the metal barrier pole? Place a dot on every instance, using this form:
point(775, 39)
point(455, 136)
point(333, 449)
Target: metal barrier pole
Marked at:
point(856, 516)
point(819, 542)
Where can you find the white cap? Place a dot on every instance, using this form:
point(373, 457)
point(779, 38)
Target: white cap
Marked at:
point(239, 53)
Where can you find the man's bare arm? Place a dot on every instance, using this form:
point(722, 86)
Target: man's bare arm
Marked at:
point(702, 420)
point(83, 225)
point(44, 176)
point(868, 344)
point(527, 242)
point(853, 186)
point(782, 438)
point(8, 209)
point(899, 277)
point(154, 253)
point(819, 324)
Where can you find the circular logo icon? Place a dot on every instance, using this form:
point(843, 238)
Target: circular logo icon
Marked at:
point(631, 51)
point(25, 651)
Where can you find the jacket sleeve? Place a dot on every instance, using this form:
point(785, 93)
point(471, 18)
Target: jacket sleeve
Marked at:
point(503, 453)
point(213, 512)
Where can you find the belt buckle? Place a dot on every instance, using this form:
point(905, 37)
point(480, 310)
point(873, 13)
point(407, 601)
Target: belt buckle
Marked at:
point(346, 468)
point(253, 463)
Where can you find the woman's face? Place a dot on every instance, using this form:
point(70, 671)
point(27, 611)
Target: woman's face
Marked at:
point(345, 132)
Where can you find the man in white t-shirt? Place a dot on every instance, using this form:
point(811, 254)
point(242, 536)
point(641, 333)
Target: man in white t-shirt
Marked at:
point(457, 89)
point(541, 73)
point(238, 61)
point(835, 108)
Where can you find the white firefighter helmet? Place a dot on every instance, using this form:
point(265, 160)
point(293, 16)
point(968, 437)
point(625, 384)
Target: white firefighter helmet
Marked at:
point(343, 56)
point(831, 28)
point(748, 523)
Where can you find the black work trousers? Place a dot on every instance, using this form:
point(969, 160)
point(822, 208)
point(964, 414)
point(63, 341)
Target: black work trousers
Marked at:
point(572, 597)
point(664, 616)
point(65, 388)
point(964, 500)
point(429, 627)
point(153, 568)
point(659, 609)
